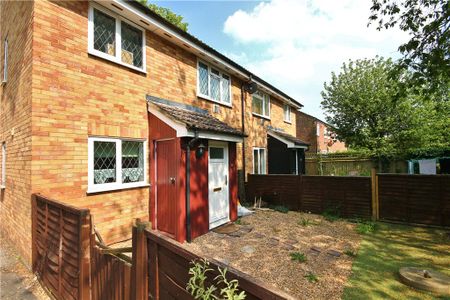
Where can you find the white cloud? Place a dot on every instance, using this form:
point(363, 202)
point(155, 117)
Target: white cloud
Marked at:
point(300, 42)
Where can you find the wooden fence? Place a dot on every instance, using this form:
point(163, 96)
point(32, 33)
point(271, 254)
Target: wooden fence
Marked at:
point(71, 264)
point(422, 199)
point(165, 265)
point(351, 196)
point(418, 199)
point(60, 250)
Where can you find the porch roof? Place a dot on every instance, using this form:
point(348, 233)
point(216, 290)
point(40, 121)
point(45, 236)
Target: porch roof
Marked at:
point(192, 118)
point(289, 140)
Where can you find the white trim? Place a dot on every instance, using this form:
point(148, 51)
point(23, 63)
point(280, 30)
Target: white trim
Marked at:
point(118, 185)
point(289, 144)
point(219, 137)
point(259, 161)
point(117, 58)
point(156, 26)
point(221, 74)
point(5, 61)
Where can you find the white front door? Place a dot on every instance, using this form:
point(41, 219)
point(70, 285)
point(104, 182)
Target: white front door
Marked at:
point(219, 204)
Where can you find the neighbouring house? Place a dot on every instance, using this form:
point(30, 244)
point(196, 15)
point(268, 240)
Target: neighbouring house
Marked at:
point(318, 134)
point(106, 105)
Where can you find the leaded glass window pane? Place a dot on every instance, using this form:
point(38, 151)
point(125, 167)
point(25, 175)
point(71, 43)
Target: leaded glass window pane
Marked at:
point(104, 162)
point(257, 104)
point(215, 85)
point(262, 161)
point(266, 105)
point(225, 88)
point(131, 45)
point(132, 161)
point(203, 79)
point(104, 33)
point(256, 161)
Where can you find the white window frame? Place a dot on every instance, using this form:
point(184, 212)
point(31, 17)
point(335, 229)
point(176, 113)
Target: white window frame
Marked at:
point(118, 55)
point(95, 188)
point(264, 171)
point(287, 113)
point(265, 114)
point(5, 61)
point(3, 178)
point(221, 74)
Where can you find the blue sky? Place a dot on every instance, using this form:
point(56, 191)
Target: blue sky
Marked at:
point(293, 44)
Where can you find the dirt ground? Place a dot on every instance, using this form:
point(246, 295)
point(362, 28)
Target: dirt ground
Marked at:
point(265, 251)
point(17, 281)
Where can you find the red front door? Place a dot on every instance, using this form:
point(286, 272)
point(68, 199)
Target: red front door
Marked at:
point(166, 186)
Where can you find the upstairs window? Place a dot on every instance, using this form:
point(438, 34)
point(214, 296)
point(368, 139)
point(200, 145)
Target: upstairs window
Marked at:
point(115, 164)
point(261, 104)
point(287, 113)
point(116, 39)
point(5, 61)
point(213, 84)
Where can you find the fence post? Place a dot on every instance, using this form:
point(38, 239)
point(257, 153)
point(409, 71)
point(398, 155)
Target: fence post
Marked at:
point(139, 269)
point(375, 204)
point(33, 232)
point(85, 254)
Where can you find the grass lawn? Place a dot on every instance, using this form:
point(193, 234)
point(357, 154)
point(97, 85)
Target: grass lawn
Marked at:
point(383, 252)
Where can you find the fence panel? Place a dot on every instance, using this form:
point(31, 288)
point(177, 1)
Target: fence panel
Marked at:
point(169, 264)
point(60, 247)
point(422, 199)
point(111, 276)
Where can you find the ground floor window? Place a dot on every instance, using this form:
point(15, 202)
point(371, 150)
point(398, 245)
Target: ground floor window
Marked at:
point(259, 161)
point(116, 163)
point(3, 178)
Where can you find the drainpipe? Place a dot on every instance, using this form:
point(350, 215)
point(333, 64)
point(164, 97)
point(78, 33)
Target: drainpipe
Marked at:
point(188, 185)
point(243, 128)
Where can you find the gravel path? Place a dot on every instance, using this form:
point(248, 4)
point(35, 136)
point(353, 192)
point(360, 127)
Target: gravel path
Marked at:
point(265, 252)
point(16, 281)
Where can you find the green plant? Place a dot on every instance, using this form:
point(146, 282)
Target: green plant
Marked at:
point(366, 227)
point(311, 277)
point(240, 222)
point(331, 214)
point(350, 253)
point(298, 256)
point(280, 208)
point(196, 284)
point(305, 222)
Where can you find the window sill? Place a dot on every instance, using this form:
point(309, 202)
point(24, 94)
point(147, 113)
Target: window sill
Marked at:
point(2, 187)
point(114, 60)
point(260, 116)
point(214, 101)
point(116, 187)
point(3, 83)
point(289, 122)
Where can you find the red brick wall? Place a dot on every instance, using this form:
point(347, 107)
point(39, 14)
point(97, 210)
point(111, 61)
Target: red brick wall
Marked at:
point(16, 21)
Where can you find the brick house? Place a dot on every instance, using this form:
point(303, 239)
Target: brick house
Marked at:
point(101, 101)
point(318, 134)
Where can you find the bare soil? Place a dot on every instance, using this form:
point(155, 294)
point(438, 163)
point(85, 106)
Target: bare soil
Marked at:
point(265, 251)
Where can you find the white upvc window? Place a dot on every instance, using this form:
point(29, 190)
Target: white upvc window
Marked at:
point(259, 160)
point(5, 61)
point(317, 129)
point(3, 178)
point(116, 39)
point(213, 84)
point(116, 164)
point(261, 104)
point(287, 113)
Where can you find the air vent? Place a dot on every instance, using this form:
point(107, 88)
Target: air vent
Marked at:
point(118, 7)
point(142, 21)
point(168, 35)
point(187, 46)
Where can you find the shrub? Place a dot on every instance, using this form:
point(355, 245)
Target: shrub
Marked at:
point(350, 253)
point(306, 222)
point(298, 256)
point(196, 285)
point(331, 214)
point(311, 277)
point(366, 227)
point(281, 208)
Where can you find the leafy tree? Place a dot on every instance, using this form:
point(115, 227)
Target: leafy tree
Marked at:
point(372, 109)
point(428, 23)
point(167, 14)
